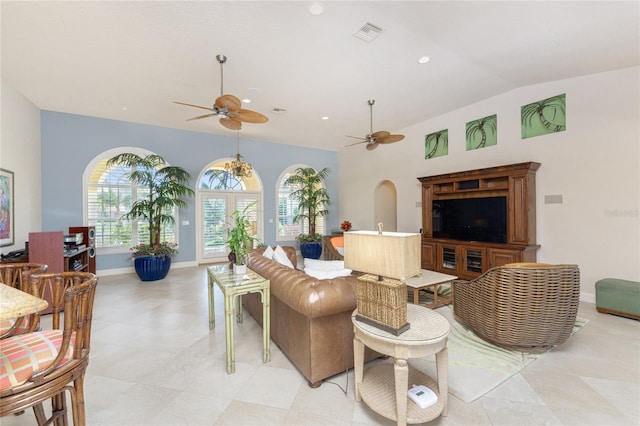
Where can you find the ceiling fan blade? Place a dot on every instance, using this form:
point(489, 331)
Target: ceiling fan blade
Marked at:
point(372, 146)
point(391, 139)
point(213, 114)
point(231, 123)
point(249, 116)
point(381, 134)
point(192, 105)
point(230, 102)
point(357, 143)
point(357, 137)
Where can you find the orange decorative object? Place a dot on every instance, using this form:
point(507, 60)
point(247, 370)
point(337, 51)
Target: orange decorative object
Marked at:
point(346, 225)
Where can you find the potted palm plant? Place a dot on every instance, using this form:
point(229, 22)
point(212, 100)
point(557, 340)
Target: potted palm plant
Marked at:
point(239, 239)
point(312, 198)
point(165, 187)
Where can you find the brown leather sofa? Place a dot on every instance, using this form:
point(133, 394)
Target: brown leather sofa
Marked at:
point(310, 318)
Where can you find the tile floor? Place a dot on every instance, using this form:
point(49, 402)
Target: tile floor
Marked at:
point(155, 362)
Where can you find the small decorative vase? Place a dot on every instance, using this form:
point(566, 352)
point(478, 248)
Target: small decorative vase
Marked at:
point(152, 268)
point(239, 269)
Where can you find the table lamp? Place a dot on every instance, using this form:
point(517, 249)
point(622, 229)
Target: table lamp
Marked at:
point(386, 258)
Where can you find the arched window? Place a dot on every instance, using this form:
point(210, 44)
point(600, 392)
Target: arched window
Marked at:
point(288, 208)
point(109, 195)
point(217, 178)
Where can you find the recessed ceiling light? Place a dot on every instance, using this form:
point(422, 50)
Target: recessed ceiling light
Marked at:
point(325, 118)
point(246, 100)
point(316, 8)
point(424, 60)
point(124, 108)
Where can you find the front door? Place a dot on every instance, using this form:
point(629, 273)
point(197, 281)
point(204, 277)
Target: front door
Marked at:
point(215, 211)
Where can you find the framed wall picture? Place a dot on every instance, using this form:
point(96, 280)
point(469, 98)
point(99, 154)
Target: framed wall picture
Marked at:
point(436, 144)
point(482, 132)
point(7, 216)
point(544, 117)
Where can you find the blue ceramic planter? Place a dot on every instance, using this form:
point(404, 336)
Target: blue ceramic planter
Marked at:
point(311, 250)
point(152, 268)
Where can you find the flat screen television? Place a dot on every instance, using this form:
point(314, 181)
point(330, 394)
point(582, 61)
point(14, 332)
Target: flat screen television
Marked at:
point(471, 219)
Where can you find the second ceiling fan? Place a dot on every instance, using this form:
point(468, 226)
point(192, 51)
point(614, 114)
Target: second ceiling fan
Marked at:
point(374, 139)
point(228, 107)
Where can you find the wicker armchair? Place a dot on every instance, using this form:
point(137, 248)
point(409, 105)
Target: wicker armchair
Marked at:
point(17, 275)
point(36, 367)
point(523, 307)
point(331, 244)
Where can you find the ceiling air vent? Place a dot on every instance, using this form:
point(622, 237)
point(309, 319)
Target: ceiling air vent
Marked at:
point(369, 32)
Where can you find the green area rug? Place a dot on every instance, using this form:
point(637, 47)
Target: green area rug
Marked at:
point(475, 366)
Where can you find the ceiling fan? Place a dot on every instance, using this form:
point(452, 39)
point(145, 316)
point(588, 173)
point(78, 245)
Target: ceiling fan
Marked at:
point(228, 107)
point(374, 139)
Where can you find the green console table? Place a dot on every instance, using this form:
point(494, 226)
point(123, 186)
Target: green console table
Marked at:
point(233, 286)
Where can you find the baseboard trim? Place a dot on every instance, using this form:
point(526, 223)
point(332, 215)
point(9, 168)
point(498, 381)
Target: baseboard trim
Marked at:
point(587, 297)
point(131, 270)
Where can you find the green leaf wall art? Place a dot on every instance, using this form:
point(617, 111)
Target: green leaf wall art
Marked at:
point(482, 132)
point(436, 144)
point(544, 117)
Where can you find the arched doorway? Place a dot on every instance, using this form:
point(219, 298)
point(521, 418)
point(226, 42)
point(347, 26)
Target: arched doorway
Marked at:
point(385, 206)
point(219, 193)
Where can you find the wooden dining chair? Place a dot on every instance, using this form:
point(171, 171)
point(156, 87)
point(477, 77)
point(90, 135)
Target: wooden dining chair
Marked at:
point(40, 366)
point(17, 275)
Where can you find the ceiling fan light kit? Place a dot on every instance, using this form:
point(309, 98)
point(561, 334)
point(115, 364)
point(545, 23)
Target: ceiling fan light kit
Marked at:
point(227, 107)
point(374, 139)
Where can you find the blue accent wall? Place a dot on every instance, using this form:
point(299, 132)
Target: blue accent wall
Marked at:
point(70, 142)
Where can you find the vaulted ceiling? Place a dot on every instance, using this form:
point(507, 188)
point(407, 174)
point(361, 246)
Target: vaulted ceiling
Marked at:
point(301, 61)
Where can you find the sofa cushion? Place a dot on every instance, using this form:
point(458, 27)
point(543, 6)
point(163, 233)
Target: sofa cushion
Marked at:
point(326, 274)
point(281, 257)
point(305, 294)
point(323, 265)
point(289, 250)
point(268, 252)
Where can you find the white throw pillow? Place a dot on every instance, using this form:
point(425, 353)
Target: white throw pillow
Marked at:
point(324, 265)
point(323, 275)
point(268, 252)
point(281, 257)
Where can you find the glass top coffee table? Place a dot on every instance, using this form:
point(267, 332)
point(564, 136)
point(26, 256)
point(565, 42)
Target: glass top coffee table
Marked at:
point(233, 286)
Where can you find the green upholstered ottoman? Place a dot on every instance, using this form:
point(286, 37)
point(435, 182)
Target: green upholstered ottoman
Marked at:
point(618, 297)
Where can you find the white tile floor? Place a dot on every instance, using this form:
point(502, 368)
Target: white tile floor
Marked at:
point(155, 362)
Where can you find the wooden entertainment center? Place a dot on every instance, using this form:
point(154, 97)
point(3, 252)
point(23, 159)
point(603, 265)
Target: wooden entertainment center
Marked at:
point(469, 259)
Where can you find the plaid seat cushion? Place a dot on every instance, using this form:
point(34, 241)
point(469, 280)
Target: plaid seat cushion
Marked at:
point(22, 355)
point(5, 325)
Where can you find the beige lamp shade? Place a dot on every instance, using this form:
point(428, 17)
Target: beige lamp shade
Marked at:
point(390, 254)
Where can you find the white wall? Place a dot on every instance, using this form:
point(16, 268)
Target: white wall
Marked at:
point(20, 153)
point(593, 164)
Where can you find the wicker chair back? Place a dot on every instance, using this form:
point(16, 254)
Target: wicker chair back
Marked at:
point(524, 307)
point(17, 275)
point(72, 293)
